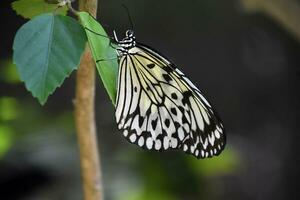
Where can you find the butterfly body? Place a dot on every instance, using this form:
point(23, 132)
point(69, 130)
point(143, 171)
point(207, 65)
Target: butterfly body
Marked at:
point(159, 108)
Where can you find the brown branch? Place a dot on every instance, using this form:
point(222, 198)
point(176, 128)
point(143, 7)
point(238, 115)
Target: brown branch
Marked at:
point(85, 119)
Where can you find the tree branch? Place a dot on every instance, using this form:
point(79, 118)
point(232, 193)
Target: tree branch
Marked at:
point(85, 118)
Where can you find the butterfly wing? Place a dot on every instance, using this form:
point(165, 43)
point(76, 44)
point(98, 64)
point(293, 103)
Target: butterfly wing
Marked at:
point(159, 108)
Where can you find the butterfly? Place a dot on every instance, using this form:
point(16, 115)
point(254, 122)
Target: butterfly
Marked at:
point(159, 108)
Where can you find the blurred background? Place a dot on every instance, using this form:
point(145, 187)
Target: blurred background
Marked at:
point(245, 56)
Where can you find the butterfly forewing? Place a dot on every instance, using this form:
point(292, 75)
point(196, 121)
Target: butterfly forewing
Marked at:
point(159, 108)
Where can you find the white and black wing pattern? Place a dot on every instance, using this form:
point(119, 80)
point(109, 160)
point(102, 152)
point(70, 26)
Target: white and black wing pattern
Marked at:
point(159, 108)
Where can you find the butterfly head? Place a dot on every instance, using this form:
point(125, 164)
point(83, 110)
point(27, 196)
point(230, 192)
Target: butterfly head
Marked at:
point(129, 34)
point(127, 42)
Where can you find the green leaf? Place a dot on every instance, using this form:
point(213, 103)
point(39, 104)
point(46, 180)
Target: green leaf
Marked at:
point(102, 50)
point(46, 50)
point(31, 8)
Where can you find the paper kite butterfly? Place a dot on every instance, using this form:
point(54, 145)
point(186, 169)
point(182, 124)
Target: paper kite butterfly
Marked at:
point(159, 108)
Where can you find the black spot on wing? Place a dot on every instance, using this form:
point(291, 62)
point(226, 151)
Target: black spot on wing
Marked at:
point(175, 134)
point(154, 123)
point(161, 136)
point(146, 134)
point(167, 77)
point(167, 123)
point(141, 121)
point(184, 120)
point(181, 109)
point(174, 111)
point(186, 96)
point(151, 65)
point(168, 69)
point(174, 95)
point(177, 125)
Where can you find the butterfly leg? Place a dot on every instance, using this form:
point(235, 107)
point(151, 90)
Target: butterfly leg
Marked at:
point(118, 57)
point(115, 36)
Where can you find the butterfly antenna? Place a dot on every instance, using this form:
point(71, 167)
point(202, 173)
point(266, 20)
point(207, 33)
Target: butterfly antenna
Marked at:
point(105, 25)
point(86, 28)
point(129, 16)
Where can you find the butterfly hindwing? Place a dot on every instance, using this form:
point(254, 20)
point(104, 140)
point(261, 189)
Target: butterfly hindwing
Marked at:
point(159, 108)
